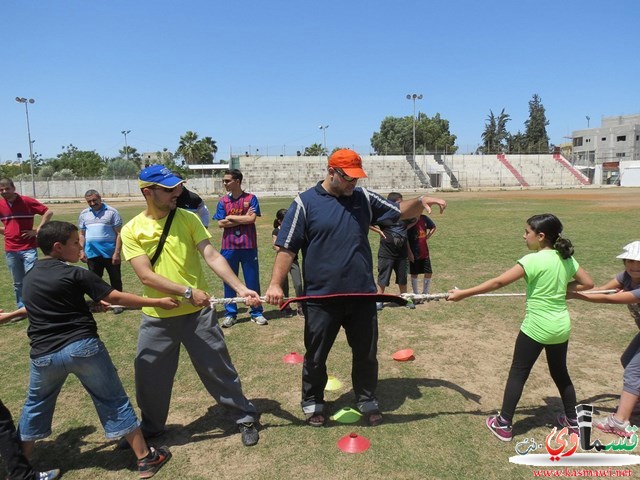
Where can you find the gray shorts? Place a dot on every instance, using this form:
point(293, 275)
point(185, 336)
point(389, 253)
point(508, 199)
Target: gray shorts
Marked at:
point(388, 265)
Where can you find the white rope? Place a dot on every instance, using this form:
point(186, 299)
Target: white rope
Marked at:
point(438, 296)
point(227, 301)
point(425, 297)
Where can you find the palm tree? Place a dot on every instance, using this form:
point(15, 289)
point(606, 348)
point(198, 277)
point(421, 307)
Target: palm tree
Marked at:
point(489, 134)
point(314, 150)
point(495, 132)
point(501, 130)
point(208, 149)
point(189, 148)
point(196, 151)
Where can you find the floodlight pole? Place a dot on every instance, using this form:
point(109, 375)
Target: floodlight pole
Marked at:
point(324, 136)
point(414, 97)
point(126, 147)
point(26, 109)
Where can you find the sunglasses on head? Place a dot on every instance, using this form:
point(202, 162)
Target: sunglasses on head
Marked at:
point(166, 189)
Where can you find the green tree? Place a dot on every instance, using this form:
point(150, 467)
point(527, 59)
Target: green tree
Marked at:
point(536, 126)
point(395, 136)
point(82, 163)
point(64, 174)
point(46, 172)
point(517, 143)
point(195, 151)
point(432, 134)
point(495, 135)
point(131, 151)
point(13, 170)
point(314, 150)
point(120, 167)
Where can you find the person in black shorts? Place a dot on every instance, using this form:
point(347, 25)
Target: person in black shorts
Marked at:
point(419, 259)
point(393, 253)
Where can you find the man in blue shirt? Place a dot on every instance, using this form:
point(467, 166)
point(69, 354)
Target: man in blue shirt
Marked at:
point(99, 227)
point(330, 224)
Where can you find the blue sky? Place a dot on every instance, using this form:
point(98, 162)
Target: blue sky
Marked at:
point(265, 75)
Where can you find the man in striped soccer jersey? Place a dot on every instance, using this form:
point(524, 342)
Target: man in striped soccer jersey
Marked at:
point(236, 215)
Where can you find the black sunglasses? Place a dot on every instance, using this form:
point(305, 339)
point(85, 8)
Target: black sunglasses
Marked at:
point(345, 177)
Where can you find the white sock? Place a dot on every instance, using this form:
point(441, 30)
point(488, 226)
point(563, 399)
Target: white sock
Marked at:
point(414, 284)
point(426, 283)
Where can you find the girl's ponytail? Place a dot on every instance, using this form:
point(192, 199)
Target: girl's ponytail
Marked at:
point(551, 226)
point(564, 247)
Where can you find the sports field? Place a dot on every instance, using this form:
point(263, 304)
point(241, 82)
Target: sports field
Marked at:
point(434, 406)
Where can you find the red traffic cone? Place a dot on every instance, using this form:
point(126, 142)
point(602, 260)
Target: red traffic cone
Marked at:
point(293, 357)
point(403, 355)
point(353, 443)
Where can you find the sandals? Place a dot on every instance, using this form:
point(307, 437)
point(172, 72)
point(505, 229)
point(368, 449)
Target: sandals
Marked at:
point(374, 418)
point(316, 419)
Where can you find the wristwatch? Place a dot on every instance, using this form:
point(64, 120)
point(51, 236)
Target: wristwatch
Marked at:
point(188, 293)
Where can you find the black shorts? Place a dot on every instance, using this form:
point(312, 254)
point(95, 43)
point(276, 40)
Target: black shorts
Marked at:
point(388, 265)
point(422, 265)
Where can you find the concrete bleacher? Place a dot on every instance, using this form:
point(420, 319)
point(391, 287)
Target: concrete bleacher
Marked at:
point(489, 171)
point(289, 175)
point(286, 176)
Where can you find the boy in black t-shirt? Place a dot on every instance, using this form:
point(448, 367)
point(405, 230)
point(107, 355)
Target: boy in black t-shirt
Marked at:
point(64, 339)
point(393, 253)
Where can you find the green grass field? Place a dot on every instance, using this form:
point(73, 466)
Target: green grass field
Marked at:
point(434, 406)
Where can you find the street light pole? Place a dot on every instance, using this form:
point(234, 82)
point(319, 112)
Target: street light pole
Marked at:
point(126, 147)
point(324, 136)
point(414, 97)
point(588, 120)
point(26, 109)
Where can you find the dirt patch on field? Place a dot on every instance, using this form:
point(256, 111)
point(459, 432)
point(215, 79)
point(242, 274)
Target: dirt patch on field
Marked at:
point(604, 195)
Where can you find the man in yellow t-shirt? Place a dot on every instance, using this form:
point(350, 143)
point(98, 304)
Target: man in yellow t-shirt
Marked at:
point(178, 272)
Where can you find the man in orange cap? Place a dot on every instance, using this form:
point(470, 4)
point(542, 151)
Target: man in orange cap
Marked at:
point(330, 224)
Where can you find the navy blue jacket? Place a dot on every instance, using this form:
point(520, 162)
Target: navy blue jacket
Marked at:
point(332, 233)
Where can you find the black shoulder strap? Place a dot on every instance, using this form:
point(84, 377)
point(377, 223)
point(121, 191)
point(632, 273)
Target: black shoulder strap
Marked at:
point(163, 237)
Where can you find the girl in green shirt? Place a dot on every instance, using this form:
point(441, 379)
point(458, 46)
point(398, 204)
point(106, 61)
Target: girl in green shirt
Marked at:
point(549, 273)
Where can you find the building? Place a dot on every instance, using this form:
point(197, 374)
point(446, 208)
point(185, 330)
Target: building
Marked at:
point(602, 149)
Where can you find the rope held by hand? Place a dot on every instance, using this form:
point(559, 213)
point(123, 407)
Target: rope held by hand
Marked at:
point(403, 297)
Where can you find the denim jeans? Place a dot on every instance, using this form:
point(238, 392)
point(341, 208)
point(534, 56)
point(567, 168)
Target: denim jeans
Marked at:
point(19, 264)
point(89, 360)
point(248, 258)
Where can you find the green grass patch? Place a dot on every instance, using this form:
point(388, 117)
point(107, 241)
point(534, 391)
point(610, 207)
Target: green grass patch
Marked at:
point(434, 406)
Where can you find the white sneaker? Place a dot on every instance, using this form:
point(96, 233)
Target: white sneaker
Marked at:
point(229, 322)
point(259, 320)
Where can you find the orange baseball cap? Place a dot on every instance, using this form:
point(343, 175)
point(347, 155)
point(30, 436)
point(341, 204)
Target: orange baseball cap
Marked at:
point(348, 161)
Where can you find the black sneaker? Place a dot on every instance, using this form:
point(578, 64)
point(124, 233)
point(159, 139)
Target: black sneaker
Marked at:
point(148, 467)
point(248, 433)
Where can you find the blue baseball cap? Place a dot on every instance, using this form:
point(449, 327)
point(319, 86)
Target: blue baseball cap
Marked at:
point(158, 175)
